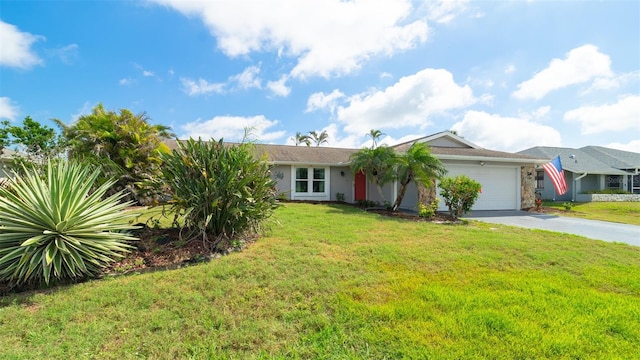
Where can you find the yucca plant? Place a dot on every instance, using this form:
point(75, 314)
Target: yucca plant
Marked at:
point(55, 226)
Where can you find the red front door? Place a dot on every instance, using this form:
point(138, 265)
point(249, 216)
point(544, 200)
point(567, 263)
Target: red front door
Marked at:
point(360, 186)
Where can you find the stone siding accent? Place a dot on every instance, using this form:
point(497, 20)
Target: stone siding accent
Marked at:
point(527, 187)
point(608, 198)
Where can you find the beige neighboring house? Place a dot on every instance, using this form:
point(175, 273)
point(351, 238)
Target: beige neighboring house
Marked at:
point(5, 159)
point(322, 173)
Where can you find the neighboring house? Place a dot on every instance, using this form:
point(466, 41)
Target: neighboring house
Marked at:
point(591, 168)
point(321, 173)
point(5, 158)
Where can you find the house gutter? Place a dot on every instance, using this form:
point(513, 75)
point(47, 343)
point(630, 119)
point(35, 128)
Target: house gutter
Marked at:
point(492, 159)
point(575, 185)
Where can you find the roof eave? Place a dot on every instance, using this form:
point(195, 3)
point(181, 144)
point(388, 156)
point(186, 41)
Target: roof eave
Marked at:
point(281, 162)
point(490, 158)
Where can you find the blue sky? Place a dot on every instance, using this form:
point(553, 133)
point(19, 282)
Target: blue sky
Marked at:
point(506, 75)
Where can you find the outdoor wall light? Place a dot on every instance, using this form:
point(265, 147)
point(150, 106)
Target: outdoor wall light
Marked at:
point(341, 173)
point(482, 163)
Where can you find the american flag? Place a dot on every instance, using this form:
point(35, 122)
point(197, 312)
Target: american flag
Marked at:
point(555, 172)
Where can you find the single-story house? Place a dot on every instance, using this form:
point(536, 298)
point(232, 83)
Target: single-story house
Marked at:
point(590, 168)
point(323, 173)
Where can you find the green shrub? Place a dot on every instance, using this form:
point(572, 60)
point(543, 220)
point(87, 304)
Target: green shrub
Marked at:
point(459, 194)
point(567, 205)
point(428, 211)
point(53, 227)
point(607, 191)
point(340, 197)
point(221, 191)
point(367, 203)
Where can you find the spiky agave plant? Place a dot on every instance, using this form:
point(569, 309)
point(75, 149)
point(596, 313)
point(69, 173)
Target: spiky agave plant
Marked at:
point(55, 226)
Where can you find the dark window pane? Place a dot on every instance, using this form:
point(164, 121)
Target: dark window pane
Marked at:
point(302, 186)
point(302, 173)
point(318, 174)
point(318, 186)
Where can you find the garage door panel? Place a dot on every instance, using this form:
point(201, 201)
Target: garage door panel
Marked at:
point(499, 186)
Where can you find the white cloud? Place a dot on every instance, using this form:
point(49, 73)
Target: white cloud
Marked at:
point(444, 11)
point(320, 101)
point(328, 38)
point(67, 54)
point(16, 47)
point(85, 109)
point(7, 109)
point(407, 103)
point(581, 65)
point(201, 87)
point(505, 133)
point(248, 78)
point(633, 146)
point(623, 115)
point(510, 69)
point(280, 88)
point(126, 81)
point(147, 73)
point(612, 83)
point(232, 128)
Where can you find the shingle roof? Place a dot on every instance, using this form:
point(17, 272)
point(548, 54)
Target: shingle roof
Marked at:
point(467, 152)
point(288, 154)
point(305, 154)
point(574, 160)
point(617, 158)
point(296, 154)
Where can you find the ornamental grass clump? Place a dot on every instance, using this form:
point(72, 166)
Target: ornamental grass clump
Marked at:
point(57, 227)
point(221, 191)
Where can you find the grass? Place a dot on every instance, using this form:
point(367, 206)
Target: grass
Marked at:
point(621, 212)
point(333, 282)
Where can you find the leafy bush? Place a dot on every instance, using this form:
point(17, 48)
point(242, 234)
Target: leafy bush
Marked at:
point(52, 226)
point(428, 211)
point(459, 194)
point(567, 205)
point(607, 191)
point(222, 191)
point(367, 203)
point(340, 197)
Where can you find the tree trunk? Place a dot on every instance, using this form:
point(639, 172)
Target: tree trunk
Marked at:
point(400, 197)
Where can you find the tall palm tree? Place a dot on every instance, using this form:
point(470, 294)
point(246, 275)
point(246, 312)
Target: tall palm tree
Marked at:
point(319, 139)
point(375, 136)
point(419, 165)
point(301, 138)
point(377, 164)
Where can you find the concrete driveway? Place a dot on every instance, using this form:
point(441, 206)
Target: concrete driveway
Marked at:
point(593, 229)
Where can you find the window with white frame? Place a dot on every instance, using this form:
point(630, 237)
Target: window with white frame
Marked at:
point(310, 180)
point(614, 181)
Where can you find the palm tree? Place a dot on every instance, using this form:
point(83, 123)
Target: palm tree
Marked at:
point(377, 164)
point(319, 138)
point(419, 165)
point(301, 138)
point(375, 135)
point(125, 145)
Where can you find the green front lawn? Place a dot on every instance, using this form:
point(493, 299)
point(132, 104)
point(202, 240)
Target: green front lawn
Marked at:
point(621, 212)
point(334, 282)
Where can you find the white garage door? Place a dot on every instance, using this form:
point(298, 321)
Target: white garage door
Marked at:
point(500, 185)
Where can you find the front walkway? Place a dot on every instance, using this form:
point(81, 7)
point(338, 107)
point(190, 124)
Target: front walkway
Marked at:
point(593, 229)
